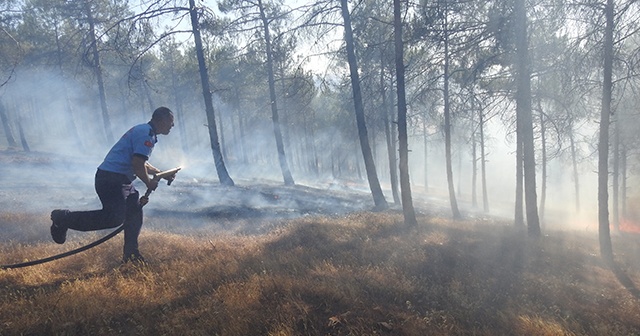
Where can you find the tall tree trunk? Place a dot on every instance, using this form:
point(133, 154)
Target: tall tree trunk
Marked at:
point(372, 176)
point(519, 203)
point(310, 146)
point(474, 157)
point(145, 88)
point(177, 102)
point(23, 137)
point(604, 233)
point(483, 165)
point(143, 106)
point(283, 114)
point(447, 125)
point(71, 125)
point(241, 125)
point(393, 160)
point(391, 144)
point(223, 142)
point(543, 144)
point(425, 144)
point(623, 191)
point(405, 184)
point(574, 163)
point(282, 158)
point(221, 169)
point(97, 67)
point(616, 174)
point(523, 110)
point(11, 141)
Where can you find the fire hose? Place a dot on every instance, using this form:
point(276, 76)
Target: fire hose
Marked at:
point(143, 200)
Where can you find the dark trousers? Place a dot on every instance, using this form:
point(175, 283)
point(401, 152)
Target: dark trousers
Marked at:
point(119, 204)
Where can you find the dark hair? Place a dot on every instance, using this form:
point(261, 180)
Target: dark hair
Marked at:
point(161, 113)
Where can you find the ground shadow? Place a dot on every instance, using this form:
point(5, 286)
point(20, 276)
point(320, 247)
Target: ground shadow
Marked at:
point(624, 279)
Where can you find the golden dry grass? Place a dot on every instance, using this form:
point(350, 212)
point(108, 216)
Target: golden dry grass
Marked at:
point(361, 274)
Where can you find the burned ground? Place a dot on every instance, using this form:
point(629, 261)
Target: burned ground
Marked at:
point(264, 259)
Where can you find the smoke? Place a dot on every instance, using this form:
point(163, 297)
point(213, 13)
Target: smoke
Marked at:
point(59, 172)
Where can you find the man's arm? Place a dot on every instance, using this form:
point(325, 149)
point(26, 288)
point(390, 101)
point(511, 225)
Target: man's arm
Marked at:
point(139, 164)
point(151, 169)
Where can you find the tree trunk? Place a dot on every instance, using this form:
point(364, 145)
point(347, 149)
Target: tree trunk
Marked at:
point(391, 151)
point(282, 158)
point(616, 175)
point(425, 144)
point(177, 102)
point(405, 184)
point(523, 110)
point(391, 144)
point(483, 165)
point(221, 169)
point(310, 147)
point(23, 137)
point(519, 204)
point(223, 142)
point(71, 125)
point(447, 126)
point(240, 141)
point(623, 192)
point(543, 144)
point(11, 141)
point(372, 176)
point(604, 234)
point(474, 159)
point(97, 66)
point(574, 163)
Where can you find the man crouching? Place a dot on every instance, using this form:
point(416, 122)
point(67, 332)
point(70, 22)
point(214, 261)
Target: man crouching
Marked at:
point(126, 160)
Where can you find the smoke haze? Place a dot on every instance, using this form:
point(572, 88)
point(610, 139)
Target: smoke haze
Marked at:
point(59, 173)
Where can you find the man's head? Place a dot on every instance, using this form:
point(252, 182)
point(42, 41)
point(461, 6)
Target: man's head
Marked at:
point(162, 120)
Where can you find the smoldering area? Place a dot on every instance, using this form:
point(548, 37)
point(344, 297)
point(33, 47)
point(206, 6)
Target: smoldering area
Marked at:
point(33, 184)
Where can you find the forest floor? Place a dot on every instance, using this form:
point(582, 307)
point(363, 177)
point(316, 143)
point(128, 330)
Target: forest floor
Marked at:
point(264, 259)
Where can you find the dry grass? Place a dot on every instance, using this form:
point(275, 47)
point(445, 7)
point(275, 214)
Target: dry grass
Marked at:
point(361, 274)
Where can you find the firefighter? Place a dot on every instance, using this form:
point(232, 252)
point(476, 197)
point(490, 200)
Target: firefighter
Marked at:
point(126, 160)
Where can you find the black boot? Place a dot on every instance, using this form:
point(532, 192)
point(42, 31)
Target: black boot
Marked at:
point(133, 257)
point(58, 228)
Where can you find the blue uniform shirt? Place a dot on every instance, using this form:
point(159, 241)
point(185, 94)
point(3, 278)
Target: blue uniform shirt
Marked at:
point(139, 140)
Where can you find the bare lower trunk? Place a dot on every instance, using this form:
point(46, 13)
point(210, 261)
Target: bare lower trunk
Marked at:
point(623, 188)
point(543, 144)
point(372, 176)
point(97, 67)
point(389, 137)
point(405, 184)
point(11, 141)
point(447, 128)
point(426, 152)
point(221, 169)
point(574, 163)
point(483, 161)
point(616, 175)
point(604, 233)
point(277, 129)
point(523, 108)
point(474, 164)
point(23, 137)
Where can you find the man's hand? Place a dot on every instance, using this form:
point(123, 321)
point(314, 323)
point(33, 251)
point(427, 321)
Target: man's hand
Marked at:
point(152, 184)
point(168, 175)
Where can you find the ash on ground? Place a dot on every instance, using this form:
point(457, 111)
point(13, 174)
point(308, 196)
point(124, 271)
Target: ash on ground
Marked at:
point(249, 207)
